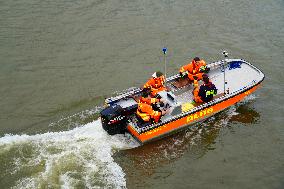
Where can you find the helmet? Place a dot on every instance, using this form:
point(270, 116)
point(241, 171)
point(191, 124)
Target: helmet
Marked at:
point(157, 74)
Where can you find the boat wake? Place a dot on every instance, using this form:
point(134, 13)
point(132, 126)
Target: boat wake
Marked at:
point(83, 156)
point(78, 158)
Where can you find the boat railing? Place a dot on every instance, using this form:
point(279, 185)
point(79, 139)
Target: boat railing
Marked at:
point(203, 106)
point(195, 109)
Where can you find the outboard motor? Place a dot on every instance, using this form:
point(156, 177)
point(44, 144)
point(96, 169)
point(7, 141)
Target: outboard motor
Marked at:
point(114, 120)
point(115, 116)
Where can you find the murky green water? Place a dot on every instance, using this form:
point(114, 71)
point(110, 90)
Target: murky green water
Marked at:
point(60, 59)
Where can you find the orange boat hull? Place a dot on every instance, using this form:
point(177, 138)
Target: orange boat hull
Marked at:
point(186, 121)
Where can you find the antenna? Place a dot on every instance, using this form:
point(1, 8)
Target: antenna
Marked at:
point(225, 53)
point(165, 60)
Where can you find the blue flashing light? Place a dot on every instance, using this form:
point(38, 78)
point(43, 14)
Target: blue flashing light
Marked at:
point(235, 64)
point(165, 50)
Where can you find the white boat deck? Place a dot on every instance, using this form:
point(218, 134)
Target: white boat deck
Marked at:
point(236, 78)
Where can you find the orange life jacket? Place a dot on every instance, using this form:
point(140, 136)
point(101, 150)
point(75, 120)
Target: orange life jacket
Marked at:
point(148, 100)
point(197, 98)
point(146, 112)
point(193, 67)
point(155, 83)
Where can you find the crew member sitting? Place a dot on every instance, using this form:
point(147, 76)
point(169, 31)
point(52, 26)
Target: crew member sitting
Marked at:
point(206, 91)
point(145, 110)
point(156, 83)
point(197, 68)
point(145, 98)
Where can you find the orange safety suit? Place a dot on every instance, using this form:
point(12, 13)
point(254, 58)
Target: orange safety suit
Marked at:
point(196, 97)
point(149, 100)
point(146, 112)
point(193, 69)
point(155, 84)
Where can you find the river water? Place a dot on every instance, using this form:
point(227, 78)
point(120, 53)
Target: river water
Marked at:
point(60, 59)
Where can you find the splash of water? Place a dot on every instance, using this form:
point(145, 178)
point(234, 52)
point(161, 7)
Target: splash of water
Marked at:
point(77, 119)
point(78, 158)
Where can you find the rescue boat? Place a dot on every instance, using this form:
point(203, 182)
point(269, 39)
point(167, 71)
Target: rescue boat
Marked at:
point(234, 78)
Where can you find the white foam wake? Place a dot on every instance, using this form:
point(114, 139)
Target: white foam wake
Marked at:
point(81, 157)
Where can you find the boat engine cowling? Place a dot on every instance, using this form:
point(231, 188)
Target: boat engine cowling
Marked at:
point(114, 120)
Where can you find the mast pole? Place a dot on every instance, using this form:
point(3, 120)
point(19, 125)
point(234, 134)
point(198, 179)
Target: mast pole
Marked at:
point(225, 53)
point(165, 61)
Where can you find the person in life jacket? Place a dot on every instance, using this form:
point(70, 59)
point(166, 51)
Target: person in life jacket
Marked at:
point(145, 109)
point(197, 68)
point(145, 98)
point(156, 83)
point(206, 91)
